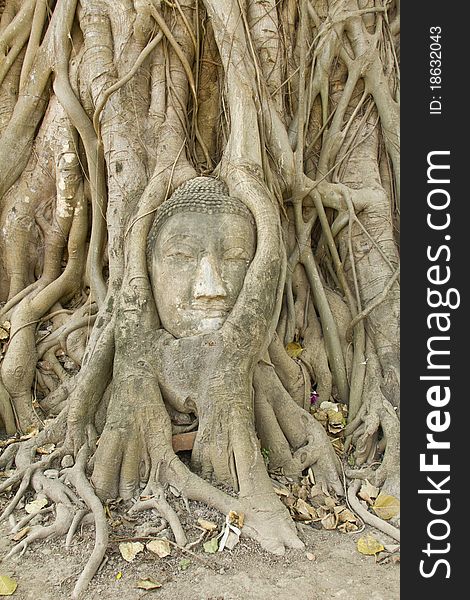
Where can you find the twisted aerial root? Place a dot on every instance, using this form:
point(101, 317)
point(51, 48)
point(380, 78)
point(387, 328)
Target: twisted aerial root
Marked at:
point(59, 527)
point(368, 517)
point(77, 519)
point(25, 520)
point(18, 496)
point(77, 476)
point(158, 502)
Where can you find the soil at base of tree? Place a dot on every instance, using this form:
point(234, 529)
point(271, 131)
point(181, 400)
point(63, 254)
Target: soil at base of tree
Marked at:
point(48, 571)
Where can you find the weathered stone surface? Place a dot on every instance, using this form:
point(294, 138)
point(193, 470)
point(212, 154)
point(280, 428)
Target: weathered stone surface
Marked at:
point(203, 245)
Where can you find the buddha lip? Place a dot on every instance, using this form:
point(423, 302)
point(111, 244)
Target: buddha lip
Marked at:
point(210, 311)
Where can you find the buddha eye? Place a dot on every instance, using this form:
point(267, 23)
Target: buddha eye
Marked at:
point(180, 252)
point(181, 255)
point(236, 254)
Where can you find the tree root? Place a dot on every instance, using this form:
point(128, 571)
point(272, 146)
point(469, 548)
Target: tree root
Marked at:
point(270, 525)
point(66, 504)
point(58, 528)
point(77, 519)
point(301, 430)
point(25, 520)
point(377, 415)
point(76, 476)
point(158, 501)
point(366, 516)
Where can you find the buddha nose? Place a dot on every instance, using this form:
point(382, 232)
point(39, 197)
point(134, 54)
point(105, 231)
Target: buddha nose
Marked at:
point(208, 283)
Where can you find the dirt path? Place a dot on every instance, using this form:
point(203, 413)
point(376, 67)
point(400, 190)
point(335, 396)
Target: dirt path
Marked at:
point(47, 571)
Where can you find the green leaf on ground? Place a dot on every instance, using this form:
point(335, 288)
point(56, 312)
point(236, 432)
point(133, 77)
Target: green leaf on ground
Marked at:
point(368, 492)
point(148, 584)
point(184, 563)
point(211, 546)
point(7, 585)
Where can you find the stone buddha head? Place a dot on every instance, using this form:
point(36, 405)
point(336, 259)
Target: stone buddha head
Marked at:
point(199, 249)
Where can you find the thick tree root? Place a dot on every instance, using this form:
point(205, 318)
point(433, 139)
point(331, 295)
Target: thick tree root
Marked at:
point(68, 507)
point(266, 522)
point(368, 517)
point(58, 528)
point(300, 430)
point(157, 501)
point(76, 476)
point(376, 416)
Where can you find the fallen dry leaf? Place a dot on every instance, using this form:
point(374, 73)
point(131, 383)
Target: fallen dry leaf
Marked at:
point(369, 546)
point(35, 506)
point(338, 445)
point(345, 515)
point(305, 511)
point(330, 502)
point(7, 585)
point(347, 527)
point(294, 350)
point(368, 492)
point(46, 449)
point(336, 421)
point(236, 519)
point(159, 547)
point(21, 534)
point(148, 584)
point(299, 491)
point(386, 507)
point(207, 525)
point(280, 489)
point(129, 550)
point(329, 522)
point(316, 490)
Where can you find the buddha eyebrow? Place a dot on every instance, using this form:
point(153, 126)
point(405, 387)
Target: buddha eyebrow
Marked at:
point(182, 237)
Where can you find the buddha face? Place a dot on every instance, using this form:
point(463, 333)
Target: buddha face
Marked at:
point(198, 266)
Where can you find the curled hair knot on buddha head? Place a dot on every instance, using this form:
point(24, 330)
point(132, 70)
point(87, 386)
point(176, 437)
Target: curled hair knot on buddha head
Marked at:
point(206, 195)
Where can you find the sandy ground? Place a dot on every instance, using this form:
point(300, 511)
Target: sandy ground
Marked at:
point(48, 571)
